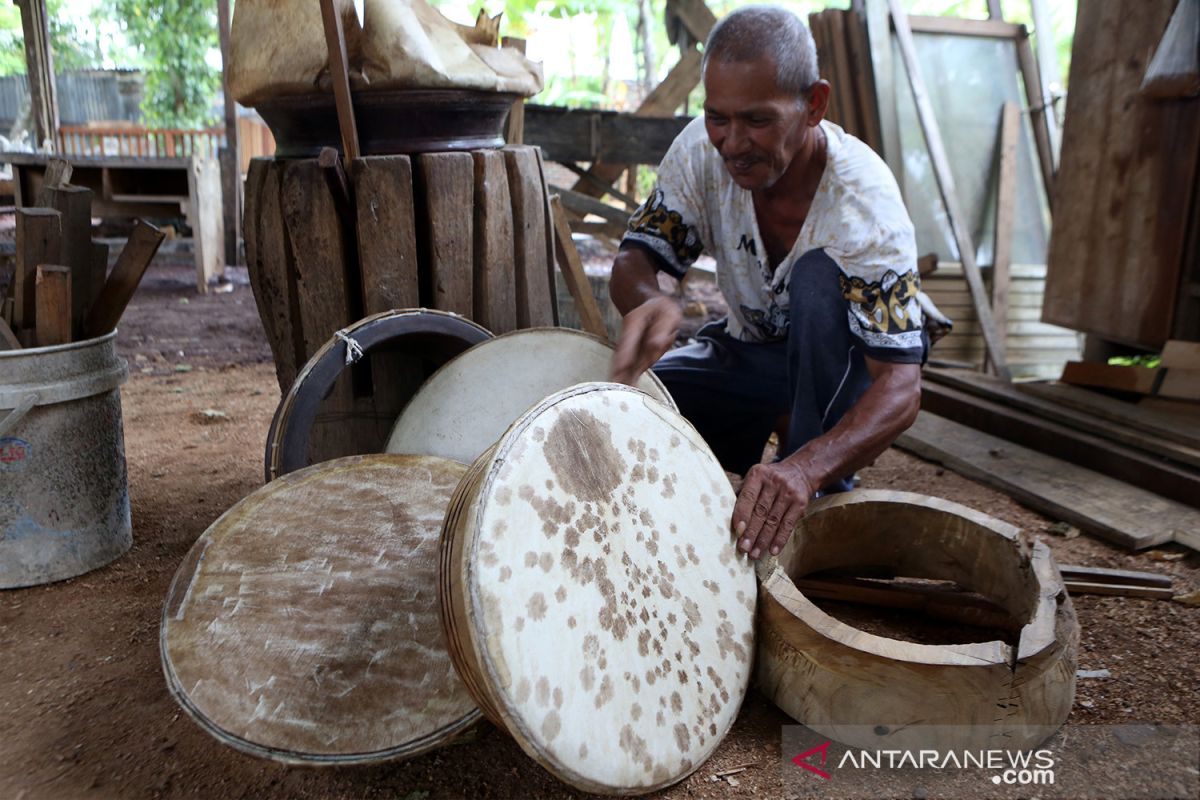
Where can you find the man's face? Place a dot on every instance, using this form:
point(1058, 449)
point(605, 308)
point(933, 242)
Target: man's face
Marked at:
point(755, 127)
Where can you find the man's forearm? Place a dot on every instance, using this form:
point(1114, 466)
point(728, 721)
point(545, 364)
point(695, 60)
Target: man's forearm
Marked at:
point(886, 409)
point(634, 280)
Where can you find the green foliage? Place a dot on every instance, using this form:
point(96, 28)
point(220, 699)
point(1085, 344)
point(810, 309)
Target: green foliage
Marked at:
point(12, 53)
point(71, 46)
point(174, 39)
point(1136, 361)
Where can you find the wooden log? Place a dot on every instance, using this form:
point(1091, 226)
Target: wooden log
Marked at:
point(127, 273)
point(75, 252)
point(1096, 504)
point(1006, 196)
point(54, 300)
point(947, 189)
point(447, 187)
point(39, 241)
point(534, 294)
point(494, 279)
point(573, 274)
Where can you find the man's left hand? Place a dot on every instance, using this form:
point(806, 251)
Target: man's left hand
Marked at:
point(771, 502)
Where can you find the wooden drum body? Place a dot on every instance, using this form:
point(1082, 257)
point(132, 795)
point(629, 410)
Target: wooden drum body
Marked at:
point(466, 406)
point(873, 692)
point(595, 603)
point(305, 624)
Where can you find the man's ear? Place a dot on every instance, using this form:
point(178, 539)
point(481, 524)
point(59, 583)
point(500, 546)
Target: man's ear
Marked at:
point(818, 102)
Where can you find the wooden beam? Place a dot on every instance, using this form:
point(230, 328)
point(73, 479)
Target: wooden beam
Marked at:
point(535, 300)
point(75, 205)
point(947, 189)
point(231, 157)
point(695, 16)
point(1047, 59)
point(879, 42)
point(1039, 119)
point(53, 305)
point(39, 241)
point(582, 204)
point(959, 26)
point(447, 182)
point(1006, 197)
point(1096, 504)
point(39, 63)
point(994, 10)
point(576, 134)
point(127, 273)
point(339, 70)
point(573, 274)
point(495, 300)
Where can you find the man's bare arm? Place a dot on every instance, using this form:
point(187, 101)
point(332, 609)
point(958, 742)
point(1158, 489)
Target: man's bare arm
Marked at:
point(651, 317)
point(775, 496)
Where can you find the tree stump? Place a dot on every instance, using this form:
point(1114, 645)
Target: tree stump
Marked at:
point(467, 232)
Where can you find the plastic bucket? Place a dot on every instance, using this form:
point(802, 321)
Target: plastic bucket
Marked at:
point(64, 495)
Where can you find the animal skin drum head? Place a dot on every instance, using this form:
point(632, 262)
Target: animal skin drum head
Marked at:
point(305, 625)
point(598, 606)
point(469, 402)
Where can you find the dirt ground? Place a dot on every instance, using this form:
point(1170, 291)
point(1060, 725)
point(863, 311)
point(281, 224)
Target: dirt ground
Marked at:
point(84, 709)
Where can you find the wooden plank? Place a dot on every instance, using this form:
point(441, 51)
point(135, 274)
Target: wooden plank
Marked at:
point(206, 220)
point(551, 238)
point(1185, 355)
point(576, 134)
point(947, 188)
point(1127, 577)
point(1038, 116)
point(447, 185)
point(1174, 72)
point(880, 43)
point(39, 241)
point(864, 81)
point(514, 126)
point(573, 274)
point(835, 27)
point(75, 205)
point(339, 72)
point(495, 300)
point(1134, 466)
point(696, 17)
point(960, 26)
point(127, 273)
point(1006, 197)
point(387, 234)
point(1094, 503)
point(39, 62)
point(230, 156)
point(1163, 442)
point(533, 290)
point(54, 301)
point(58, 173)
point(1119, 590)
point(8, 340)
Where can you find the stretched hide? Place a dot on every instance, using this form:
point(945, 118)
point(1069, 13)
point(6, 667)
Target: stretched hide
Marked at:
point(277, 47)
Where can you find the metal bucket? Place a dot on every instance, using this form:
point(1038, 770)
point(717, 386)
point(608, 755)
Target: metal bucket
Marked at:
point(64, 496)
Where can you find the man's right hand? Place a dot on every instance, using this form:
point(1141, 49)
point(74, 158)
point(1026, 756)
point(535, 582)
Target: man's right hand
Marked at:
point(647, 332)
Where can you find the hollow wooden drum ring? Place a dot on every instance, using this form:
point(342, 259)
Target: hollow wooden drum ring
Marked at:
point(594, 600)
point(470, 401)
point(304, 624)
point(872, 692)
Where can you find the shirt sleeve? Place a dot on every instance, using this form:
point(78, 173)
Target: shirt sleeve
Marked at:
point(880, 283)
point(670, 224)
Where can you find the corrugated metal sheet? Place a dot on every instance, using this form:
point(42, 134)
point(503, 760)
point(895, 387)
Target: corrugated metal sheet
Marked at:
point(87, 96)
point(1035, 349)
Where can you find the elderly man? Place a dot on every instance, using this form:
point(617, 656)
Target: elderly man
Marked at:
point(816, 259)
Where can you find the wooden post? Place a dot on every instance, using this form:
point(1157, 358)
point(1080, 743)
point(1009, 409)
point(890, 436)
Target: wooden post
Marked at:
point(54, 299)
point(514, 128)
point(39, 241)
point(127, 273)
point(75, 205)
point(1038, 116)
point(1047, 59)
point(573, 274)
point(40, 71)
point(208, 236)
point(1006, 197)
point(948, 190)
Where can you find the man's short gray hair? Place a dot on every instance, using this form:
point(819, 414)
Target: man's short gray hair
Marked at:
point(753, 32)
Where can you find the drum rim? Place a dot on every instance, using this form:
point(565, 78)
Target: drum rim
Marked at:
point(479, 658)
point(666, 398)
point(410, 749)
point(284, 438)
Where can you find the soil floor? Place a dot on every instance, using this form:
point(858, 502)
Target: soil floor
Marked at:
point(84, 708)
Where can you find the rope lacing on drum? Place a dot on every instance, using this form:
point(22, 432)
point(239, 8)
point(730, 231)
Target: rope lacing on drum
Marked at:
point(354, 350)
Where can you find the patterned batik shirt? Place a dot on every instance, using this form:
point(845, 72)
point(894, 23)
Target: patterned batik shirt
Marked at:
point(857, 217)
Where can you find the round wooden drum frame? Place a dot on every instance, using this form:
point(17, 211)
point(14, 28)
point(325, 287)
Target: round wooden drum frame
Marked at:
point(498, 384)
point(437, 335)
point(872, 692)
point(297, 632)
point(477, 621)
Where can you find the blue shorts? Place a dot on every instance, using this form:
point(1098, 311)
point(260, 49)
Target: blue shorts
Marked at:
point(734, 392)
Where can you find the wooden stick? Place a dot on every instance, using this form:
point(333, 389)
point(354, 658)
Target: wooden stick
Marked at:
point(8, 340)
point(53, 305)
point(948, 190)
point(1006, 196)
point(1118, 590)
point(572, 271)
point(126, 275)
point(1118, 576)
point(339, 70)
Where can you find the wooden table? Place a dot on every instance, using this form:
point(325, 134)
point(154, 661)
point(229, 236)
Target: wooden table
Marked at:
point(124, 187)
